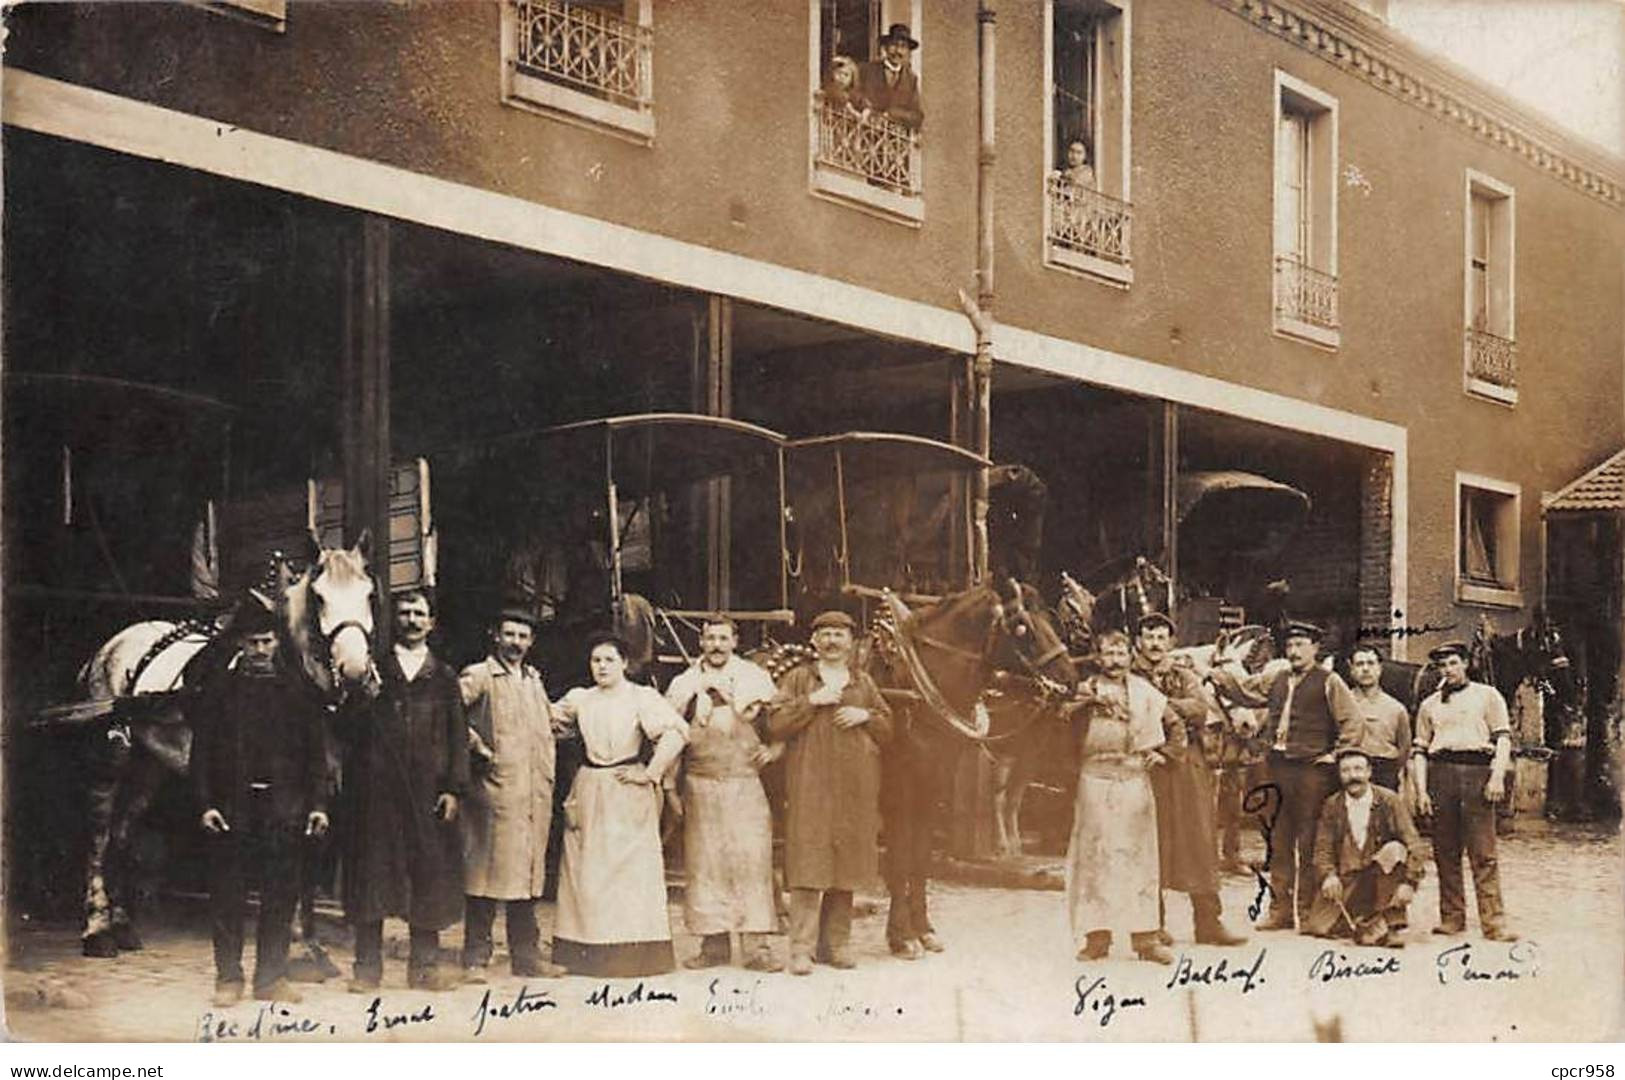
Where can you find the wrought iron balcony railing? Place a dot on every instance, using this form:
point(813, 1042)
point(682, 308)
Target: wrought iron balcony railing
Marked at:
point(1304, 294)
point(1492, 359)
point(585, 49)
point(870, 146)
point(1088, 222)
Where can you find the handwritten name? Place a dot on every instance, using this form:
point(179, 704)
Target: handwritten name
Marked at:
point(526, 1001)
point(271, 1022)
point(612, 998)
point(1264, 801)
point(1330, 967)
point(1096, 999)
point(378, 1020)
point(726, 1000)
point(1249, 977)
point(1457, 964)
point(1400, 630)
point(842, 1009)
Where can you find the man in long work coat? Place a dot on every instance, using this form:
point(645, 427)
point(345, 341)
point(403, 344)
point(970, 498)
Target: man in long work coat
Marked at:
point(509, 810)
point(1184, 787)
point(407, 769)
point(833, 721)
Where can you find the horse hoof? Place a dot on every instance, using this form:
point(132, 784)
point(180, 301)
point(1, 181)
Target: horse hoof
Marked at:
point(126, 938)
point(101, 945)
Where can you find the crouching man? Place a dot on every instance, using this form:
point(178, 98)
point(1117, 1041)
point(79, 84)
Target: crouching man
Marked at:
point(1368, 856)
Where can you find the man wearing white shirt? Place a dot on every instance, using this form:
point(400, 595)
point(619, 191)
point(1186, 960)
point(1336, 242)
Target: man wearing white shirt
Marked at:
point(1368, 857)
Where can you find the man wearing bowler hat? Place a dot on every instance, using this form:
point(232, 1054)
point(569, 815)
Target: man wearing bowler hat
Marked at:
point(1463, 755)
point(509, 809)
point(888, 85)
point(1311, 713)
point(833, 722)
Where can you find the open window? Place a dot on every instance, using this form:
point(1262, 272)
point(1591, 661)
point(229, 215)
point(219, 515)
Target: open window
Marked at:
point(865, 122)
point(586, 61)
point(1487, 542)
point(1491, 351)
point(1305, 211)
point(1087, 213)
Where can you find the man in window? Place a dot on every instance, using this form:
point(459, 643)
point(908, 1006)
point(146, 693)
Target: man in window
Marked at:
point(888, 86)
point(1464, 752)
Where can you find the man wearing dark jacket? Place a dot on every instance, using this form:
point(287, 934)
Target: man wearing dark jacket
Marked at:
point(259, 770)
point(407, 768)
point(1368, 856)
point(887, 86)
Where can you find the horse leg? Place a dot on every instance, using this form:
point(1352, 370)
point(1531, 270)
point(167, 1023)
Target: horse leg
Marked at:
point(142, 780)
point(111, 757)
point(898, 812)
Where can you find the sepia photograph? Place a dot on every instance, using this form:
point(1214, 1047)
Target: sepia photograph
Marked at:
point(812, 521)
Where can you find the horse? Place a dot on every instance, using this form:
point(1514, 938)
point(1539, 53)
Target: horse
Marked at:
point(982, 667)
point(146, 679)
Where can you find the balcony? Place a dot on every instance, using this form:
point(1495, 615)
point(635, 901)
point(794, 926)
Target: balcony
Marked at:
point(1492, 366)
point(1087, 230)
point(867, 159)
point(1305, 301)
point(581, 62)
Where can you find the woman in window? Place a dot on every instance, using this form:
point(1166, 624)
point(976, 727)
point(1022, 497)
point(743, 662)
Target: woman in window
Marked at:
point(612, 917)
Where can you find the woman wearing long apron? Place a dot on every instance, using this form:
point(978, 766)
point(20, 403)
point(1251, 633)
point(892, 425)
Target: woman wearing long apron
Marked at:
point(612, 918)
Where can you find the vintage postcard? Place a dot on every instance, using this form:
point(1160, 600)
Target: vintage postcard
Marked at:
point(814, 520)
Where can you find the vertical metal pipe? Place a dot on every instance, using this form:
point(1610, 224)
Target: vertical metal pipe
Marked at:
point(1170, 497)
point(982, 383)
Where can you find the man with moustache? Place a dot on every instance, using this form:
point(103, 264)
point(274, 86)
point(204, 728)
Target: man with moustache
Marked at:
point(1184, 787)
point(728, 829)
point(1368, 856)
point(408, 769)
point(1311, 713)
point(259, 768)
point(508, 813)
point(1463, 755)
point(1386, 731)
point(833, 721)
point(888, 86)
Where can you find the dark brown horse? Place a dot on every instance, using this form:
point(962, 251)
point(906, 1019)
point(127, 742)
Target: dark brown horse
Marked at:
point(983, 667)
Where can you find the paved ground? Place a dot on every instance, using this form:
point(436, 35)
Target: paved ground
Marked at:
point(1009, 973)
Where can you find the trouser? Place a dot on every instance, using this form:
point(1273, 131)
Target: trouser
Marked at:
point(1234, 783)
point(256, 841)
point(1462, 816)
point(1304, 787)
point(1368, 897)
point(369, 950)
point(524, 935)
point(1385, 773)
point(820, 922)
point(719, 947)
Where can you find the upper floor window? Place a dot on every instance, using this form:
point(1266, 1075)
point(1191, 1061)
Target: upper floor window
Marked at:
point(1487, 541)
point(1491, 355)
point(586, 60)
point(867, 108)
point(1087, 213)
point(1305, 211)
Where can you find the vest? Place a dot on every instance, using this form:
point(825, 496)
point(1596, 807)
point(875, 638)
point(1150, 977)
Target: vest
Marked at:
point(1312, 730)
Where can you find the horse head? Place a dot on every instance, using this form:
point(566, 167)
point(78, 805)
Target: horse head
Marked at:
point(1075, 616)
point(328, 617)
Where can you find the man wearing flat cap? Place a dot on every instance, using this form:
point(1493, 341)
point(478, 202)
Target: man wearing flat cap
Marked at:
point(1311, 713)
point(888, 85)
point(833, 722)
point(1463, 755)
point(259, 768)
point(508, 812)
point(1184, 787)
point(1368, 856)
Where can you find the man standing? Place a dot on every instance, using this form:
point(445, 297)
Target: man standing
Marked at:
point(260, 772)
point(728, 829)
point(408, 764)
point(833, 721)
point(1184, 787)
point(1369, 858)
point(1111, 862)
point(509, 810)
point(1311, 712)
point(1386, 737)
point(1463, 755)
point(888, 86)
